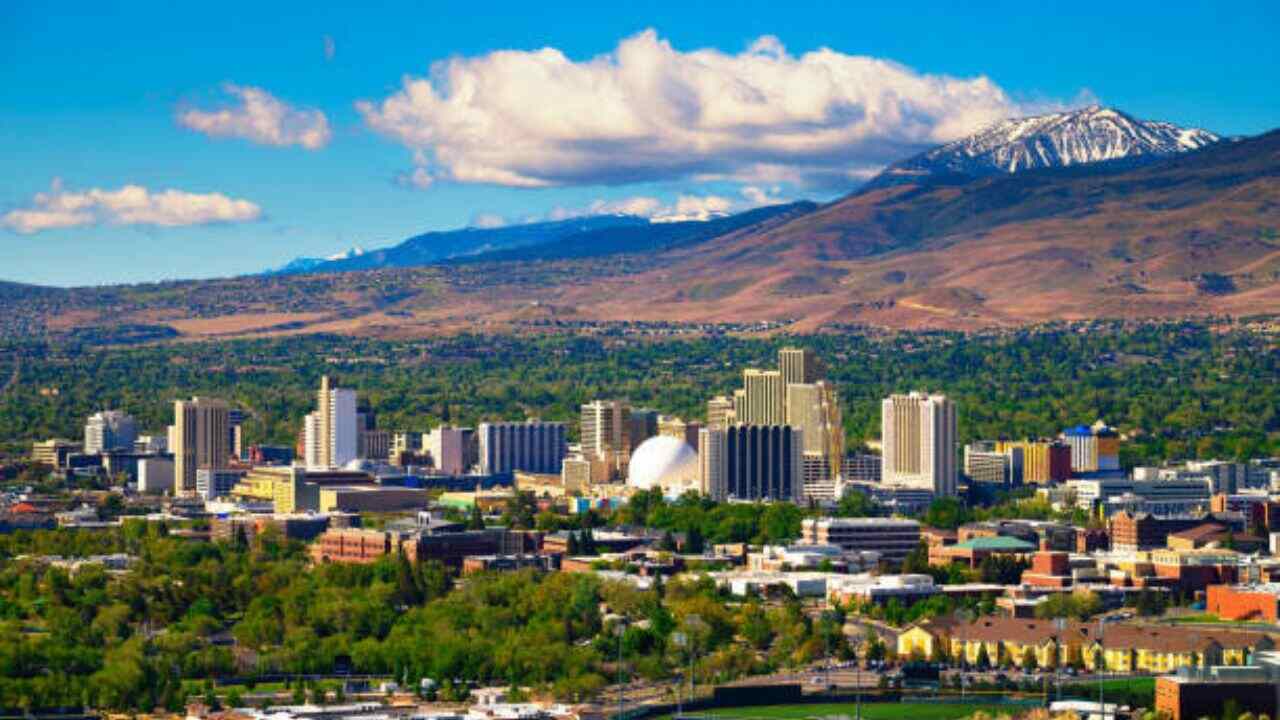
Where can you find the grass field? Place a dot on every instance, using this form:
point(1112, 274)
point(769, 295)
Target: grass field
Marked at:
point(1206, 618)
point(870, 711)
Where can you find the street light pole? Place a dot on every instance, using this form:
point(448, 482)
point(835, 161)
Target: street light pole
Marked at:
point(1102, 650)
point(621, 691)
point(681, 640)
point(962, 617)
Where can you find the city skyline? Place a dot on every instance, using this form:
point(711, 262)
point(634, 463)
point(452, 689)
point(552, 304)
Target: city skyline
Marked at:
point(178, 159)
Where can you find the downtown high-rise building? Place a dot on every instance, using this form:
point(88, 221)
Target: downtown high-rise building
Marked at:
point(764, 398)
point(531, 446)
point(918, 435)
point(332, 430)
point(198, 438)
point(109, 430)
point(757, 462)
point(799, 365)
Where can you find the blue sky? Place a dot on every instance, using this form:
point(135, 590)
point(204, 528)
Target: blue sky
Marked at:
point(106, 106)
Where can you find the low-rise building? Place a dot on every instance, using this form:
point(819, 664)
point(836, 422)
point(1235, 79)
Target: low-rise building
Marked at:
point(894, 539)
point(1260, 603)
point(973, 551)
point(1198, 692)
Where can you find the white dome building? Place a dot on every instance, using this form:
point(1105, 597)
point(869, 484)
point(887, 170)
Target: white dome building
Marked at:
point(666, 463)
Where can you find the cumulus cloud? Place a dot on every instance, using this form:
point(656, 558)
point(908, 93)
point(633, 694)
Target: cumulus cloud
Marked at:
point(128, 205)
point(262, 118)
point(647, 111)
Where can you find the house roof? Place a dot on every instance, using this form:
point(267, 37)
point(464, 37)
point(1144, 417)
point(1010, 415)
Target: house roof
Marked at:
point(1199, 533)
point(1117, 636)
point(1000, 543)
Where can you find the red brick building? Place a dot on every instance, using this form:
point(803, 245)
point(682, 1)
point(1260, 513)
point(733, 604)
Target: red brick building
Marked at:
point(1049, 570)
point(1244, 602)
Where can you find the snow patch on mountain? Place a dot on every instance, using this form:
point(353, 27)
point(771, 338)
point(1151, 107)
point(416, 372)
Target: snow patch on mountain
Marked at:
point(1089, 135)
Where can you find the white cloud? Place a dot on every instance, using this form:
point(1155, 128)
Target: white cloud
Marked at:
point(647, 111)
point(487, 220)
point(129, 205)
point(261, 118)
point(685, 207)
point(330, 47)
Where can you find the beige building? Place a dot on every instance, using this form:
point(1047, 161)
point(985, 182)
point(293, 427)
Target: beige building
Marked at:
point(918, 433)
point(764, 398)
point(51, 452)
point(720, 411)
point(606, 434)
point(711, 469)
point(799, 365)
point(200, 438)
point(575, 474)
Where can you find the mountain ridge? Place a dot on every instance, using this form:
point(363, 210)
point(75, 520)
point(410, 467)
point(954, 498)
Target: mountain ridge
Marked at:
point(1088, 135)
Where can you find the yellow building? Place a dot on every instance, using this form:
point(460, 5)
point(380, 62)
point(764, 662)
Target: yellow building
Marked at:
point(1123, 648)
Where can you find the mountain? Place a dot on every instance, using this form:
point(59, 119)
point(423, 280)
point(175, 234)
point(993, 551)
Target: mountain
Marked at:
point(1090, 135)
point(309, 264)
point(433, 247)
point(1196, 233)
point(647, 238)
point(1189, 234)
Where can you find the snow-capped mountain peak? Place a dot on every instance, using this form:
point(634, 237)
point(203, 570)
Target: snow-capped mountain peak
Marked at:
point(1087, 135)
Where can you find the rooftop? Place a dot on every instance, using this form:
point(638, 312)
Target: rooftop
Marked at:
point(998, 543)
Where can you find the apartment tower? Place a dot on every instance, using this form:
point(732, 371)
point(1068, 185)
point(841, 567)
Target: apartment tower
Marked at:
point(918, 433)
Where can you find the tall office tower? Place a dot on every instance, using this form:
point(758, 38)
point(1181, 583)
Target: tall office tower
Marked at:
point(531, 446)
point(918, 433)
point(764, 398)
point(109, 430)
point(739, 405)
point(235, 432)
point(815, 409)
point(199, 440)
point(799, 365)
point(644, 425)
point(607, 435)
point(762, 462)
point(450, 449)
point(332, 431)
point(720, 411)
point(711, 448)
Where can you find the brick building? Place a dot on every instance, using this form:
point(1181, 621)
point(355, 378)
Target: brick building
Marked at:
point(1244, 602)
point(1144, 531)
point(1200, 692)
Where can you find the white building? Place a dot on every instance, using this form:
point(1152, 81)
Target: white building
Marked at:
point(331, 432)
point(918, 433)
point(109, 430)
point(155, 475)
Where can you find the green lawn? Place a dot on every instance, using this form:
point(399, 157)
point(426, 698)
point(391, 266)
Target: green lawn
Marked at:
point(870, 711)
point(1208, 619)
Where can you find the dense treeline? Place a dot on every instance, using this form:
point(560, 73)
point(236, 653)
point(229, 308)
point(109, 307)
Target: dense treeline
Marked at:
point(1184, 390)
point(128, 640)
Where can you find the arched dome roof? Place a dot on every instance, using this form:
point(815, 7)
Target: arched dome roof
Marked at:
point(664, 462)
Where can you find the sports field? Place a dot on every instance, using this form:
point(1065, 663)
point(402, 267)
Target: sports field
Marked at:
point(870, 711)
